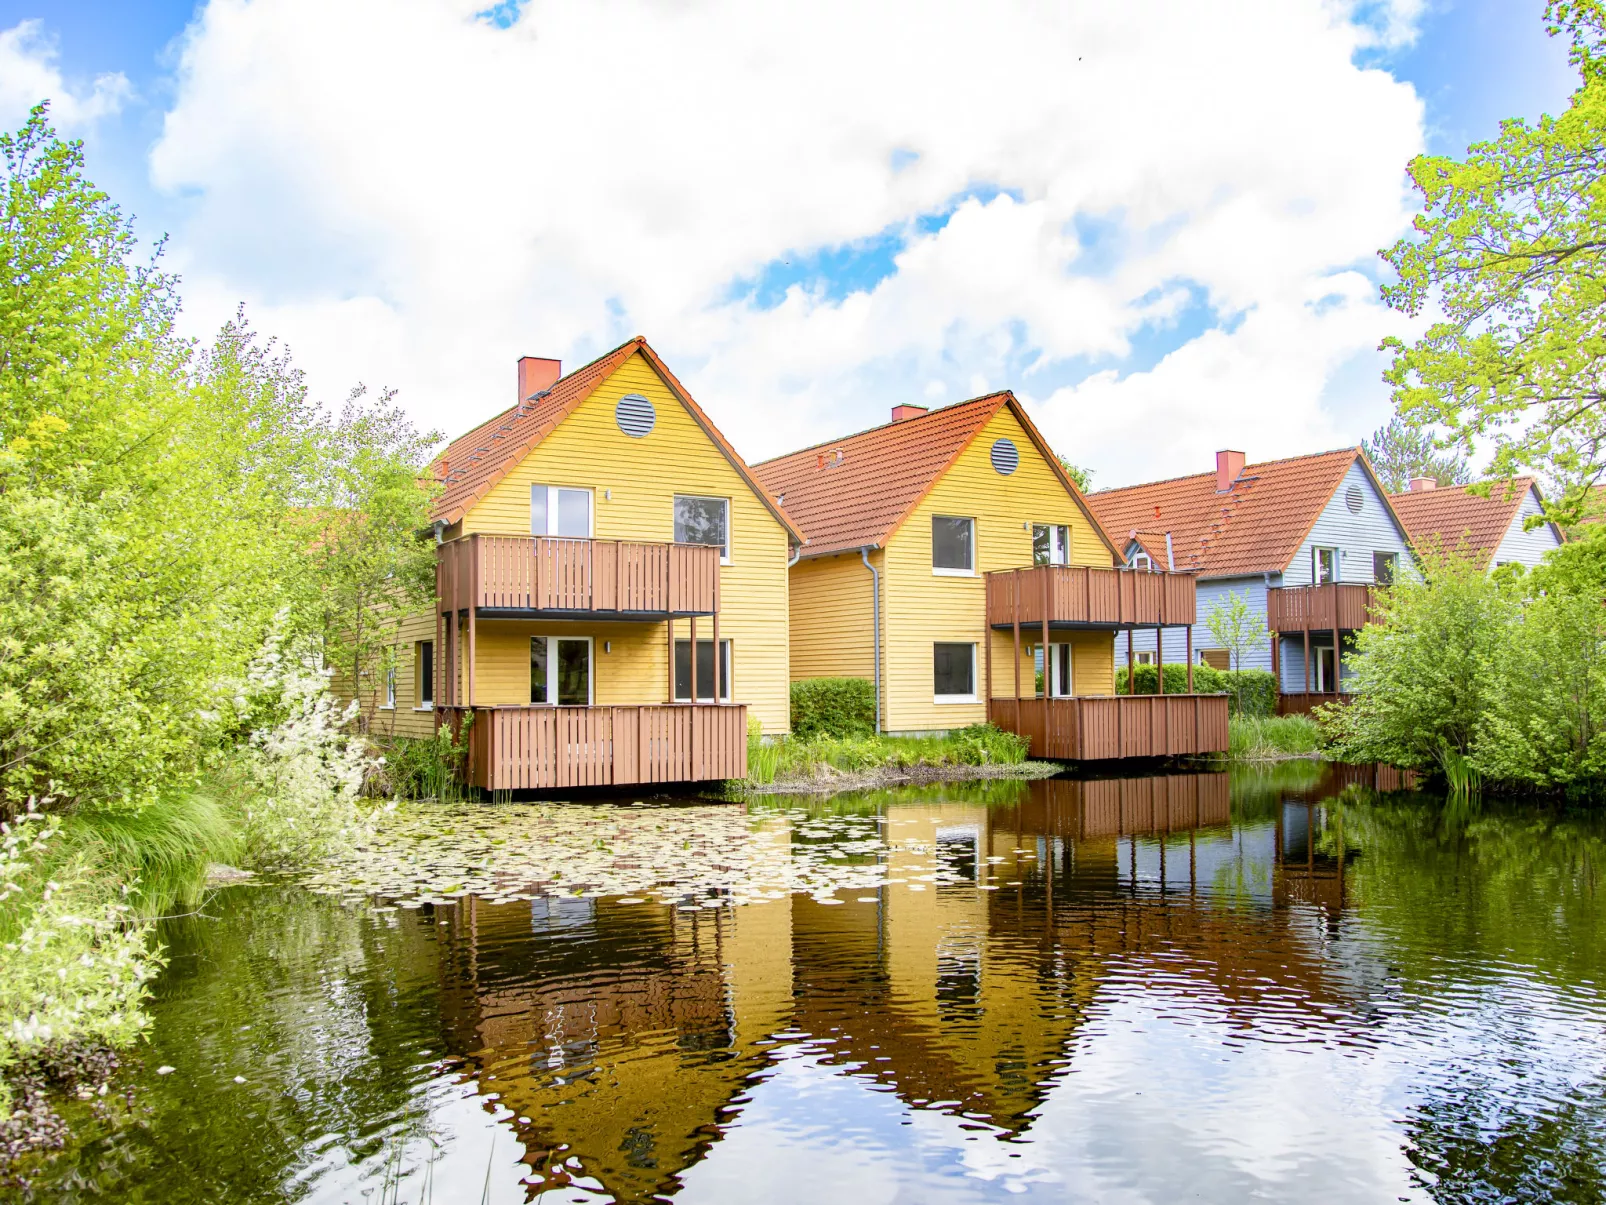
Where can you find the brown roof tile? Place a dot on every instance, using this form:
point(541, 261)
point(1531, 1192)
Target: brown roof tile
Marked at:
point(856, 491)
point(1255, 527)
point(1453, 519)
point(472, 464)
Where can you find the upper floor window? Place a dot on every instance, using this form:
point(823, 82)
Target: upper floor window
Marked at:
point(953, 545)
point(1051, 544)
point(703, 521)
point(557, 511)
point(1323, 565)
point(1384, 565)
point(1140, 560)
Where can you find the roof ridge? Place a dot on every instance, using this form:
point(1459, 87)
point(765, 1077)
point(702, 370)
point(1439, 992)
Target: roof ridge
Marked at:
point(897, 422)
point(1259, 464)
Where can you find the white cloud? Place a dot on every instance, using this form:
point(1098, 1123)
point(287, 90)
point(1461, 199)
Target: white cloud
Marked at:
point(414, 197)
point(29, 74)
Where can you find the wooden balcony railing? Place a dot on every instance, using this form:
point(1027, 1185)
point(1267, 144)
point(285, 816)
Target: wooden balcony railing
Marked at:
point(1089, 597)
point(1318, 608)
point(542, 573)
point(541, 748)
point(1100, 727)
point(1305, 702)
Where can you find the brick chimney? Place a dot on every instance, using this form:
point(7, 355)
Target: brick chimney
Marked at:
point(1228, 466)
point(1418, 484)
point(536, 374)
point(899, 413)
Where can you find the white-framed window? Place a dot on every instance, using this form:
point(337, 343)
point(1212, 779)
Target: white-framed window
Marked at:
point(560, 671)
point(705, 671)
point(1145, 658)
point(424, 675)
point(700, 520)
point(1384, 566)
point(1059, 671)
point(1140, 560)
point(390, 689)
point(953, 673)
point(558, 510)
point(1323, 565)
point(1051, 544)
point(953, 545)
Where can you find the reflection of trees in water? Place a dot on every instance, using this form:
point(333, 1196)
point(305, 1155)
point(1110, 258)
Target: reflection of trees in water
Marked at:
point(1470, 1145)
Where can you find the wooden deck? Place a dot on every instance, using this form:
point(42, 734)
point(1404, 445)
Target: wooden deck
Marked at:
point(537, 574)
point(1318, 608)
point(1082, 596)
point(542, 748)
point(1103, 727)
point(1303, 702)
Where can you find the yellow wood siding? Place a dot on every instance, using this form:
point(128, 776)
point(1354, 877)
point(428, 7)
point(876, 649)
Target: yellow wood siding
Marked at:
point(923, 608)
point(405, 719)
point(1092, 662)
point(588, 451)
point(831, 620)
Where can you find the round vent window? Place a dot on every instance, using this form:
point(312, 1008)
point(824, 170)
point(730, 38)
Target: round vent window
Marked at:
point(1006, 459)
point(1354, 499)
point(635, 415)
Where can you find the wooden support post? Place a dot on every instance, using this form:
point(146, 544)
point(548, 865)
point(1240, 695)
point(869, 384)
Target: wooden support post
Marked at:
point(1189, 644)
point(473, 609)
point(1014, 598)
point(1307, 659)
point(1047, 669)
point(1276, 659)
point(691, 623)
point(719, 678)
point(1159, 658)
point(1131, 663)
point(669, 643)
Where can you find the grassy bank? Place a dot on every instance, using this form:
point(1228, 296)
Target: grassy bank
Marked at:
point(1272, 738)
point(809, 762)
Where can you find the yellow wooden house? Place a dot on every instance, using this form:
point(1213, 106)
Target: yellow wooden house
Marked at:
point(943, 552)
point(611, 590)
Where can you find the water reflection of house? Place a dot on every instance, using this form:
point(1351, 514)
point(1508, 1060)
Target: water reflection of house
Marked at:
point(623, 1037)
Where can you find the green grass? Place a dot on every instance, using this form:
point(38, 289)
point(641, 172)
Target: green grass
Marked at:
point(1251, 738)
point(806, 757)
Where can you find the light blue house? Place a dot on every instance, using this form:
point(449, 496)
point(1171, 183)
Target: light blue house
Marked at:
point(1301, 538)
point(1504, 528)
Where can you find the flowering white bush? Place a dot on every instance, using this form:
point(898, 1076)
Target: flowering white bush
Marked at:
point(79, 965)
point(303, 769)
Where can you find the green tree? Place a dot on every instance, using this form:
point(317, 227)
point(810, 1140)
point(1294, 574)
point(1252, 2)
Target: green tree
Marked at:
point(1082, 477)
point(1399, 452)
point(1237, 627)
point(1510, 248)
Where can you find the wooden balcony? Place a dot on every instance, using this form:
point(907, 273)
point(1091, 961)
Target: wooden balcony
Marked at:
point(1319, 608)
point(1080, 596)
point(545, 748)
point(1103, 727)
point(1305, 702)
point(537, 576)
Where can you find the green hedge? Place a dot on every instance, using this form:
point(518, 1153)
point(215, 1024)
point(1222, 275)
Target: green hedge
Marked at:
point(839, 707)
point(1256, 687)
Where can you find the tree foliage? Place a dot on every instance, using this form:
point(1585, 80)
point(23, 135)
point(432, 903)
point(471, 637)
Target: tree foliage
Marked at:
point(1399, 452)
point(1510, 251)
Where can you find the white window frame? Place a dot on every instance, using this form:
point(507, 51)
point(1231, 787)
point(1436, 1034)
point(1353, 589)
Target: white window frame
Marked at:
point(1142, 560)
point(1052, 686)
point(1141, 657)
point(944, 700)
point(728, 655)
point(552, 675)
point(552, 492)
point(725, 552)
point(971, 572)
point(1059, 533)
point(1316, 551)
point(420, 678)
point(390, 689)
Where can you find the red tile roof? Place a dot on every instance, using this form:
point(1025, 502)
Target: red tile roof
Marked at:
point(856, 491)
point(1255, 527)
point(1452, 519)
point(472, 464)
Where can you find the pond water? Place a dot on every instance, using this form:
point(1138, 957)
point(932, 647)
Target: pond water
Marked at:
point(1194, 987)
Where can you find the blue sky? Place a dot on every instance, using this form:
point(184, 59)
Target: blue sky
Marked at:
point(880, 265)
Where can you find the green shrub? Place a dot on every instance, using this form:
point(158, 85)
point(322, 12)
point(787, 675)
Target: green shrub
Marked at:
point(841, 707)
point(804, 757)
point(423, 767)
point(1252, 692)
point(763, 757)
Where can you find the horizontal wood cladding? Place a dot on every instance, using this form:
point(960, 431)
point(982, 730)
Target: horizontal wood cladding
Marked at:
point(1318, 608)
point(1084, 594)
point(832, 629)
point(544, 573)
point(539, 748)
point(1099, 729)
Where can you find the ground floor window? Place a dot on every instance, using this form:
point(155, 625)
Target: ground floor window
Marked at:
point(953, 673)
point(1059, 671)
point(705, 671)
point(390, 688)
point(1216, 658)
point(424, 674)
point(560, 671)
point(1145, 658)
